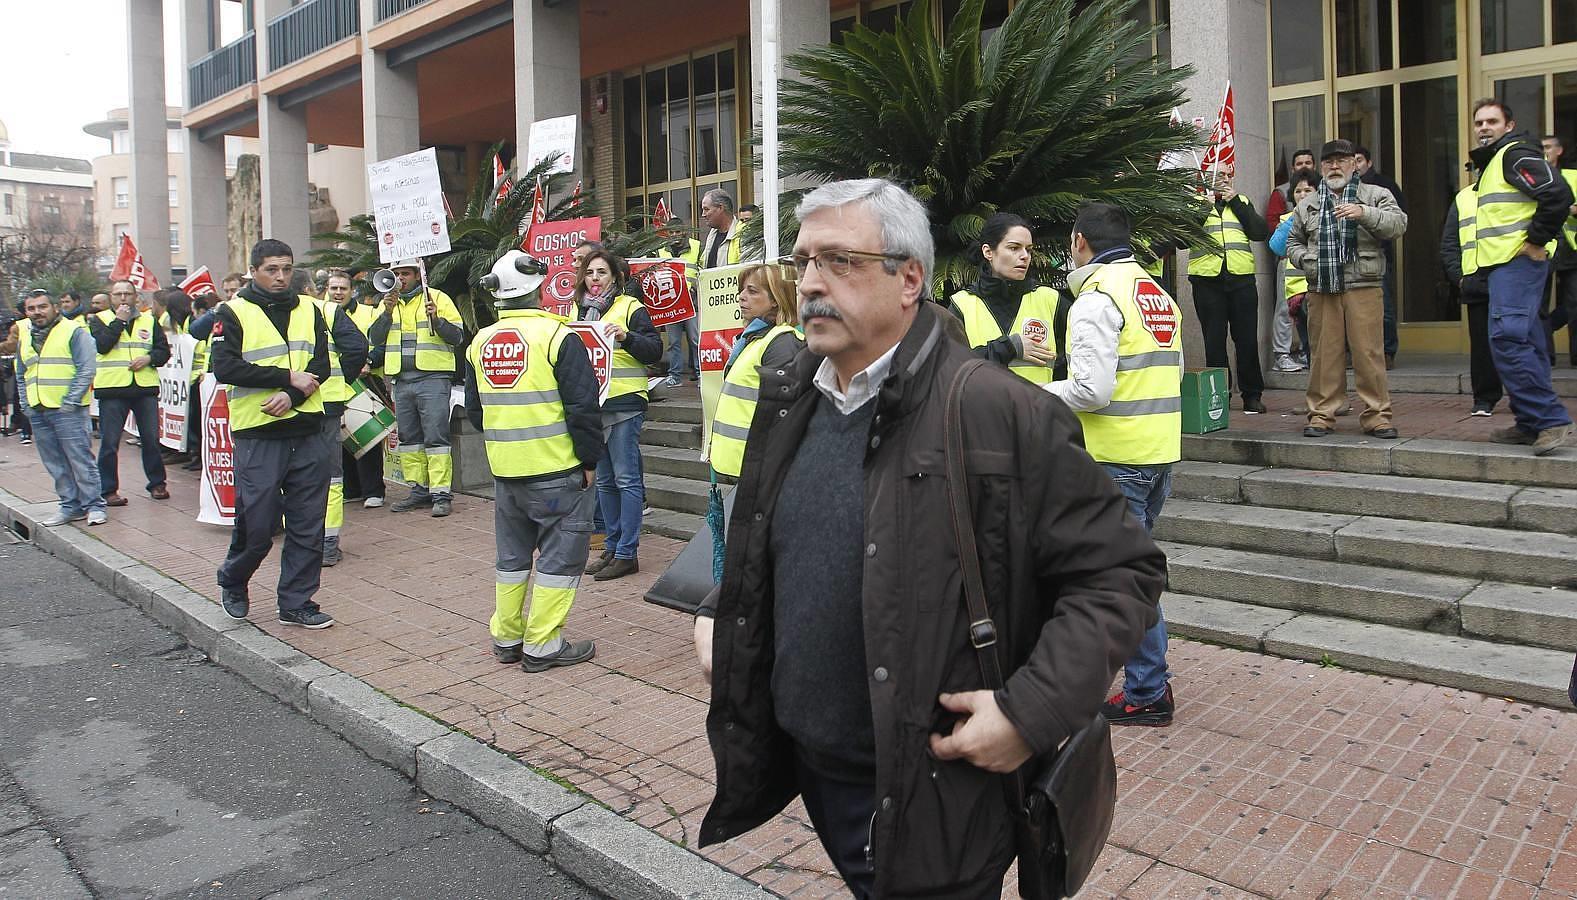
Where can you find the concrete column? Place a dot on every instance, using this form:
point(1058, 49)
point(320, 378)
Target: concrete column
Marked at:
point(390, 121)
point(150, 167)
point(204, 221)
point(282, 134)
point(547, 69)
point(1225, 39)
point(801, 24)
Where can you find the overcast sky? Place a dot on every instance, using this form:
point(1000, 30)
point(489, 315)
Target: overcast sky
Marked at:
point(64, 65)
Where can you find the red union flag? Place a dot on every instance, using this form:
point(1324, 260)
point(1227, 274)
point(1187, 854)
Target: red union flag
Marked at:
point(501, 183)
point(504, 358)
point(1157, 313)
point(555, 243)
point(665, 290)
point(199, 283)
point(539, 204)
point(1221, 155)
point(130, 267)
point(660, 213)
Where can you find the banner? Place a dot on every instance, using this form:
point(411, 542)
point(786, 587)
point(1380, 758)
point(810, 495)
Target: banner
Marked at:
point(175, 384)
point(720, 326)
point(554, 243)
point(199, 283)
point(217, 494)
point(407, 200)
point(1221, 154)
point(664, 289)
point(598, 338)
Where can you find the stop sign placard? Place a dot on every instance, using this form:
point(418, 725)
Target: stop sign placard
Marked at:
point(503, 357)
point(1157, 313)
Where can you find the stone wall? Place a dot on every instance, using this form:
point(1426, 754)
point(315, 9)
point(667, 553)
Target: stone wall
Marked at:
point(244, 207)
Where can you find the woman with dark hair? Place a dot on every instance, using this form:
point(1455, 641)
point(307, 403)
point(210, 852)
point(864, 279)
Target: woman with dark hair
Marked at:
point(1008, 318)
point(602, 294)
point(1295, 285)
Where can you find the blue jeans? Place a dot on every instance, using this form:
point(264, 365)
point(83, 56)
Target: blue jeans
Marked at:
point(1146, 487)
point(112, 422)
point(1519, 345)
point(621, 488)
point(64, 439)
point(683, 361)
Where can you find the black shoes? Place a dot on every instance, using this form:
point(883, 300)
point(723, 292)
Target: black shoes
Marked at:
point(571, 653)
point(1316, 431)
point(1159, 713)
point(236, 603)
point(442, 506)
point(308, 616)
point(1386, 433)
point(600, 563)
point(507, 655)
point(617, 568)
point(1254, 406)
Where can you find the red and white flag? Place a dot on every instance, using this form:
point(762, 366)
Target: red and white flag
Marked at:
point(130, 267)
point(539, 204)
point(660, 214)
point(574, 196)
point(199, 283)
point(1221, 154)
point(501, 183)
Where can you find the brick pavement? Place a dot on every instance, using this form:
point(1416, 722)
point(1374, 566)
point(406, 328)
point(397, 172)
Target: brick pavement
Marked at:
point(1443, 416)
point(1279, 779)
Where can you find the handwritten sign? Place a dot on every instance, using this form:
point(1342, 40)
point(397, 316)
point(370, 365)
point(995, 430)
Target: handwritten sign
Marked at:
point(408, 206)
point(549, 137)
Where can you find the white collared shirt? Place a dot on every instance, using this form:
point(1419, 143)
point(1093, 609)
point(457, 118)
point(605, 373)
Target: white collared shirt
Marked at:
point(862, 387)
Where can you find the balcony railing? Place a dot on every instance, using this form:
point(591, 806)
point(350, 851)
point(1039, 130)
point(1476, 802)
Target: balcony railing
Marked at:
point(390, 8)
point(224, 70)
point(308, 27)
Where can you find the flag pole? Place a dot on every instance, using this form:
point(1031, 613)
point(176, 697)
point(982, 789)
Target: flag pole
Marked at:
point(769, 129)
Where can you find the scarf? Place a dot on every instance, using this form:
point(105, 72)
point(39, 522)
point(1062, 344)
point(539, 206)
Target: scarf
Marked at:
point(594, 305)
point(756, 326)
point(1338, 238)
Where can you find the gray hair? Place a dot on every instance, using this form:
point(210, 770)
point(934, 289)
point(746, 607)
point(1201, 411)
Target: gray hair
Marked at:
point(906, 229)
point(719, 197)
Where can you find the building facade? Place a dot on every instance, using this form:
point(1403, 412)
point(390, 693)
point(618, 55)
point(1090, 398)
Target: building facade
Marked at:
point(44, 195)
point(112, 188)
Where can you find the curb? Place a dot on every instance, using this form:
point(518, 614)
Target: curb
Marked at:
point(588, 842)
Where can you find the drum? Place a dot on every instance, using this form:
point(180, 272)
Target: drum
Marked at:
point(366, 423)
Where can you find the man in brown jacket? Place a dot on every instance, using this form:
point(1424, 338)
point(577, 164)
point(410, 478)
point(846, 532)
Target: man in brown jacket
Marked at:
point(844, 670)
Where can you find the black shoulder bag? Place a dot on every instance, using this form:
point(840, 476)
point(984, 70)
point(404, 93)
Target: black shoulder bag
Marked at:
point(1062, 804)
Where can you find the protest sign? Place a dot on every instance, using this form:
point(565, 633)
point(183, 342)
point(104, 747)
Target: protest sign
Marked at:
point(216, 503)
point(549, 137)
point(175, 383)
point(554, 243)
point(664, 290)
point(718, 290)
point(598, 340)
point(407, 202)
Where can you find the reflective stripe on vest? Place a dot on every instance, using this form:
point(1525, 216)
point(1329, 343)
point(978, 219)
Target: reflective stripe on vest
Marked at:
point(114, 370)
point(523, 424)
point(1036, 313)
point(409, 331)
point(1504, 214)
point(50, 370)
point(1467, 228)
point(337, 388)
point(199, 360)
point(737, 405)
point(1143, 423)
point(1570, 230)
point(262, 345)
point(1296, 282)
point(628, 375)
point(1223, 225)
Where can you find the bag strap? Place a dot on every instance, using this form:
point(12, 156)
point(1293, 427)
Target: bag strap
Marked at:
point(982, 630)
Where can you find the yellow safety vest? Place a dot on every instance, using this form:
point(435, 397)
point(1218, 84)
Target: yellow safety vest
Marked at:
point(1504, 214)
point(1467, 228)
point(337, 388)
point(1223, 225)
point(523, 422)
point(1570, 230)
point(409, 328)
point(737, 405)
point(1143, 423)
point(691, 258)
point(1296, 282)
point(1036, 313)
point(729, 254)
point(263, 345)
point(364, 315)
point(628, 375)
point(114, 369)
point(49, 371)
point(199, 360)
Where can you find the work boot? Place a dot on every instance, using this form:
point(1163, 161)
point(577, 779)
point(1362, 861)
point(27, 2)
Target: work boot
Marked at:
point(1513, 435)
point(568, 655)
point(441, 507)
point(1551, 438)
point(236, 603)
point(507, 655)
point(618, 568)
point(600, 563)
point(331, 553)
point(413, 500)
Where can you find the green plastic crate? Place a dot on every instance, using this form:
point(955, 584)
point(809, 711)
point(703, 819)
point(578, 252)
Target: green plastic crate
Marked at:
point(1206, 398)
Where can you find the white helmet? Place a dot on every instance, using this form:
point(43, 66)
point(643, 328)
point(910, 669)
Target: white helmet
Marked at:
point(406, 264)
point(515, 276)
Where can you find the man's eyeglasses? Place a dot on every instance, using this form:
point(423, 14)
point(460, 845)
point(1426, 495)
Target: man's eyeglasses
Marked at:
point(837, 263)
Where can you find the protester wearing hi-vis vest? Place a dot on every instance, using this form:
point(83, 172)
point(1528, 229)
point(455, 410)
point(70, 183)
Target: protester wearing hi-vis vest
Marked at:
point(531, 390)
point(1125, 369)
point(347, 358)
point(1008, 318)
point(270, 347)
point(1522, 206)
point(602, 289)
point(414, 340)
point(55, 362)
point(1564, 313)
point(131, 348)
point(1294, 286)
point(769, 340)
point(680, 359)
point(1459, 256)
point(1225, 295)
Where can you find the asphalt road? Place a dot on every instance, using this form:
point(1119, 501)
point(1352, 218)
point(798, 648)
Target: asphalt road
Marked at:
point(130, 766)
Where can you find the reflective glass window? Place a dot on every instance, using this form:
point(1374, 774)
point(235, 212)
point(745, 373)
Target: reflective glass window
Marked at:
point(1297, 42)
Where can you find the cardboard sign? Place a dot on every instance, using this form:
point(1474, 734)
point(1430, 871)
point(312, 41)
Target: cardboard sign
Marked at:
point(555, 242)
point(598, 339)
point(664, 289)
point(175, 384)
point(504, 357)
point(217, 495)
point(407, 201)
point(550, 136)
point(1157, 313)
point(717, 290)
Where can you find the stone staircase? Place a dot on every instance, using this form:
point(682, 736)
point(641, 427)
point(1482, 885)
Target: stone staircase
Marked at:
point(1449, 562)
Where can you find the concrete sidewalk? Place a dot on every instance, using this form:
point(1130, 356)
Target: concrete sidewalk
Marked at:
point(1280, 778)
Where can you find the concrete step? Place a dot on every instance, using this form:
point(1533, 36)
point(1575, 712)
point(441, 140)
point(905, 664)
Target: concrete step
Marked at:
point(682, 410)
point(680, 462)
point(1532, 674)
point(684, 495)
point(1419, 457)
point(671, 434)
point(1437, 380)
point(1287, 532)
point(677, 525)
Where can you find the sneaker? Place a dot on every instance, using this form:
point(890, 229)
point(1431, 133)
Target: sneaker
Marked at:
point(672, 381)
point(1513, 435)
point(571, 653)
point(507, 655)
point(1159, 713)
point(27, 439)
point(1254, 406)
point(441, 507)
point(372, 503)
point(412, 501)
point(97, 517)
point(1285, 364)
point(61, 518)
point(618, 568)
point(332, 555)
point(1551, 438)
point(646, 510)
point(600, 563)
point(236, 603)
point(1482, 409)
point(308, 616)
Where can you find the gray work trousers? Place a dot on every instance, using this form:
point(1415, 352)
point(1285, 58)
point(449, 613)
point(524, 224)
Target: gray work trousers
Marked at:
point(552, 516)
point(274, 477)
point(421, 413)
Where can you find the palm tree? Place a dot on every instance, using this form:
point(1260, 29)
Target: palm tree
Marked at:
point(1058, 108)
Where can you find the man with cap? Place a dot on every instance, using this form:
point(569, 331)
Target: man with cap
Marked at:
point(414, 340)
point(1336, 240)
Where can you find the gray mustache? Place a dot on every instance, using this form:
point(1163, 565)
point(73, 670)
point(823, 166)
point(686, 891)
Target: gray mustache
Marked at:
point(814, 309)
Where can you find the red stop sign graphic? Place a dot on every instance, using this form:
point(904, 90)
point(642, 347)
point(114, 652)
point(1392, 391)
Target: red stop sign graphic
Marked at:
point(1035, 330)
point(1157, 313)
point(503, 357)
